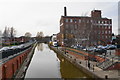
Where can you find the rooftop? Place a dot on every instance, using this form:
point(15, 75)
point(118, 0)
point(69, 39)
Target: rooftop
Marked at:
point(82, 17)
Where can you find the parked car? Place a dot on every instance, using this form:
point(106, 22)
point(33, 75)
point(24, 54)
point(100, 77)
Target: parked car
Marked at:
point(100, 50)
point(111, 47)
point(55, 44)
point(89, 49)
point(75, 47)
point(101, 46)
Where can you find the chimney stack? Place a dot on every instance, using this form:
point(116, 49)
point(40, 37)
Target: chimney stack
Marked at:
point(96, 13)
point(65, 11)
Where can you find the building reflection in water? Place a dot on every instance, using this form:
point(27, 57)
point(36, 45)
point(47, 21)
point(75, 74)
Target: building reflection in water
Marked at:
point(68, 70)
point(40, 47)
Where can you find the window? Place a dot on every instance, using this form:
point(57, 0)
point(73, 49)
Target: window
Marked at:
point(102, 32)
point(109, 27)
point(75, 26)
point(66, 26)
point(75, 20)
point(105, 27)
point(87, 21)
point(102, 37)
point(99, 32)
point(71, 20)
point(99, 22)
point(109, 32)
point(102, 22)
point(94, 21)
point(91, 21)
point(83, 20)
point(109, 36)
point(105, 22)
point(66, 20)
point(109, 22)
point(105, 32)
point(79, 20)
point(106, 36)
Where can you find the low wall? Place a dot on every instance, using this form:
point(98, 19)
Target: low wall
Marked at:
point(117, 52)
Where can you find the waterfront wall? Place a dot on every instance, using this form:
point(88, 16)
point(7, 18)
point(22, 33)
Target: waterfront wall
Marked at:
point(73, 61)
point(117, 52)
point(116, 66)
point(12, 66)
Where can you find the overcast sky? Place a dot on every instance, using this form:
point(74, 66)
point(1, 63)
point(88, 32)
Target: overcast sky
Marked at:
point(43, 15)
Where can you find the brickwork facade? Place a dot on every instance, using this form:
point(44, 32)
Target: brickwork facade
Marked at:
point(85, 30)
point(10, 67)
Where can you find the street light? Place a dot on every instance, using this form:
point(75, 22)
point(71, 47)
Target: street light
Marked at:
point(88, 62)
point(65, 45)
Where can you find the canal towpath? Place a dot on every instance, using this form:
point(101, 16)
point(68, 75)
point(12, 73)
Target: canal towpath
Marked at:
point(95, 72)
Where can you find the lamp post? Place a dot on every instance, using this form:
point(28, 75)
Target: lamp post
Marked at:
point(65, 45)
point(88, 62)
point(112, 60)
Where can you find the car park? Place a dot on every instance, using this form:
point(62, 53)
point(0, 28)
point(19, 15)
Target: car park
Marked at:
point(100, 50)
point(111, 47)
point(90, 49)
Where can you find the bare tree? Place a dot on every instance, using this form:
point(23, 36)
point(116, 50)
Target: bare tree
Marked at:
point(9, 32)
point(12, 32)
point(39, 34)
point(28, 34)
point(6, 32)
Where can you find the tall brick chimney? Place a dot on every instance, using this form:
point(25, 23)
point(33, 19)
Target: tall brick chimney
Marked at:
point(65, 11)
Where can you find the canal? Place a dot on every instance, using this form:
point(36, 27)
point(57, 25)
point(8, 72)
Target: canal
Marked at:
point(46, 63)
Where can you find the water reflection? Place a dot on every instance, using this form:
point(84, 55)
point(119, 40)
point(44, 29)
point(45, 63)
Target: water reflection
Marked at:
point(68, 70)
point(40, 47)
point(46, 63)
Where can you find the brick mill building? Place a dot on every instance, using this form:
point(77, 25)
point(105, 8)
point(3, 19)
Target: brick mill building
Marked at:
point(85, 30)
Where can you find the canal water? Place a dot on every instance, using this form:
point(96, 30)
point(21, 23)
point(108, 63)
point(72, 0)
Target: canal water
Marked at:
point(46, 63)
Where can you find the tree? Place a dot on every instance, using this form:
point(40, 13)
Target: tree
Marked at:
point(28, 34)
point(9, 32)
point(12, 32)
point(6, 32)
point(40, 34)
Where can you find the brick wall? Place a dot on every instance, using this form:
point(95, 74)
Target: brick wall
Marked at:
point(114, 67)
point(10, 67)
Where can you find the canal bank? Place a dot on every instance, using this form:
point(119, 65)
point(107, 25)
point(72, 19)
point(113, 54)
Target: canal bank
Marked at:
point(13, 59)
point(81, 64)
point(24, 66)
point(73, 61)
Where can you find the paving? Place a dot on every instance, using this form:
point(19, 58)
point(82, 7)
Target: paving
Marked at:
point(93, 68)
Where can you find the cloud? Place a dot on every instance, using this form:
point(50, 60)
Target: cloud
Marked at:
point(35, 16)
